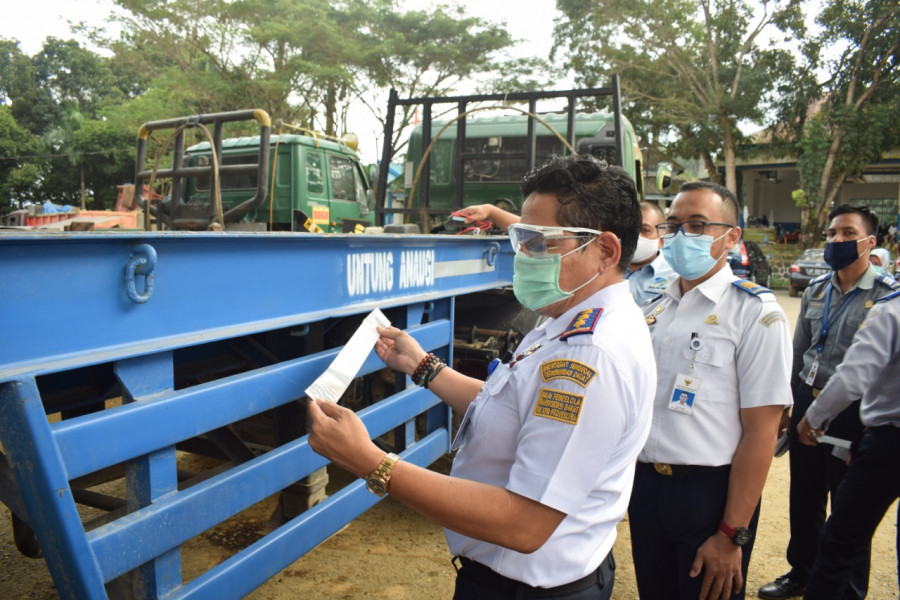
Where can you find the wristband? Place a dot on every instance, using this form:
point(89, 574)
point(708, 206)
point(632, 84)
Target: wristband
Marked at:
point(425, 369)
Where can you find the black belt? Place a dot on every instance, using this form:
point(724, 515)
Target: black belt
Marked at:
point(490, 579)
point(683, 470)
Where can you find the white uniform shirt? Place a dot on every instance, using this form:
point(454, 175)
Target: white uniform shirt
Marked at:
point(869, 371)
point(563, 426)
point(742, 361)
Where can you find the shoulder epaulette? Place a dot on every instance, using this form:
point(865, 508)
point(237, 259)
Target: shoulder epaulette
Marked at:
point(890, 296)
point(751, 288)
point(821, 278)
point(584, 322)
point(889, 281)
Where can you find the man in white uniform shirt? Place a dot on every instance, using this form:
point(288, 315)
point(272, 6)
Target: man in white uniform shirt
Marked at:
point(726, 344)
point(547, 445)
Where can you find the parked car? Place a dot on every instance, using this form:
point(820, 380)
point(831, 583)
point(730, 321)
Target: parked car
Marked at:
point(807, 267)
point(748, 261)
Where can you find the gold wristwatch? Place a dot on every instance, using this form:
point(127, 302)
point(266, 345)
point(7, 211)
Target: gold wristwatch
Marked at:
point(378, 481)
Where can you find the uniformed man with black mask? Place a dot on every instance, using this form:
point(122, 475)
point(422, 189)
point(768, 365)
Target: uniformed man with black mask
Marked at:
point(831, 311)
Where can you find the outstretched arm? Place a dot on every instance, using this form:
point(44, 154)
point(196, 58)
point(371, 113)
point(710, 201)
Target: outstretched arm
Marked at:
point(488, 212)
point(477, 510)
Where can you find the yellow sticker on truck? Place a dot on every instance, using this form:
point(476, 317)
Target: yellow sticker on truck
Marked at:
point(320, 214)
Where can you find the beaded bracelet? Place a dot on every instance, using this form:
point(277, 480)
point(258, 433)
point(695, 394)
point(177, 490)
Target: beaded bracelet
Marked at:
point(425, 371)
point(433, 374)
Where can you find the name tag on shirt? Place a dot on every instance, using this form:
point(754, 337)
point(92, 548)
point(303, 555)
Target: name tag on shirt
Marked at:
point(684, 393)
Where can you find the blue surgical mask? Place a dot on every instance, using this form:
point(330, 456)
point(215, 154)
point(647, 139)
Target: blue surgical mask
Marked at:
point(689, 255)
point(536, 280)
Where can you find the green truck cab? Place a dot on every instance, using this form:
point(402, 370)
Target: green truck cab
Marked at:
point(301, 181)
point(315, 178)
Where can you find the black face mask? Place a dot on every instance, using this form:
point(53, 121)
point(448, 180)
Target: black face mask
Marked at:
point(841, 254)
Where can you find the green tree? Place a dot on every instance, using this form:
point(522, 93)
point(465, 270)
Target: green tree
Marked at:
point(304, 61)
point(423, 53)
point(54, 94)
point(857, 116)
point(20, 162)
point(690, 71)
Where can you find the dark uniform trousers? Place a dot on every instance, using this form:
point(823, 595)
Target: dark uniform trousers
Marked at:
point(870, 487)
point(670, 517)
point(474, 581)
point(815, 473)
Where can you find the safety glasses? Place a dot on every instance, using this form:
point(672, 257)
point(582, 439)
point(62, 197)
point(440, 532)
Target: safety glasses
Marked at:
point(537, 240)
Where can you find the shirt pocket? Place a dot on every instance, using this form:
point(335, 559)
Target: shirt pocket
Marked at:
point(813, 315)
point(490, 402)
point(713, 354)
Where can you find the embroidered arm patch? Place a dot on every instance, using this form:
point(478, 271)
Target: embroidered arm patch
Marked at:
point(559, 406)
point(572, 370)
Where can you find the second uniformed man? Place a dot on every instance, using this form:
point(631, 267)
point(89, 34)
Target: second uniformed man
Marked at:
point(722, 348)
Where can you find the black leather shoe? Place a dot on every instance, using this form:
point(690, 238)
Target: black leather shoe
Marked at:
point(782, 587)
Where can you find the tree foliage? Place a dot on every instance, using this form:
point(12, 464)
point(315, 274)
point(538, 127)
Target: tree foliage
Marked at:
point(690, 71)
point(857, 116)
point(303, 61)
point(20, 166)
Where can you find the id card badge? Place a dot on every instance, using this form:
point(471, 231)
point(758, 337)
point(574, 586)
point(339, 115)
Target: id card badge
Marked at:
point(684, 393)
point(461, 433)
point(811, 378)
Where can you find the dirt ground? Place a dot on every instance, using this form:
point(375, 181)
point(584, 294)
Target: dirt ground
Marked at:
point(392, 553)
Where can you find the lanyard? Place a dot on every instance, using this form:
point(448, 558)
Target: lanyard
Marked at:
point(826, 322)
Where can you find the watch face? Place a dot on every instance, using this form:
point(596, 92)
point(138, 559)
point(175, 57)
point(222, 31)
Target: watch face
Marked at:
point(376, 486)
point(742, 536)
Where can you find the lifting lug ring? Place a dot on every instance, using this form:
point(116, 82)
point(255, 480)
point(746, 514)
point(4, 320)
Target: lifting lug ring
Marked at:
point(491, 254)
point(142, 262)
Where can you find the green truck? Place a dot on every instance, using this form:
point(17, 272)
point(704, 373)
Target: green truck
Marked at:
point(481, 155)
point(295, 181)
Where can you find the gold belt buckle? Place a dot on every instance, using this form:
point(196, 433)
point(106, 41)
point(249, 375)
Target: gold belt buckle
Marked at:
point(663, 468)
point(815, 392)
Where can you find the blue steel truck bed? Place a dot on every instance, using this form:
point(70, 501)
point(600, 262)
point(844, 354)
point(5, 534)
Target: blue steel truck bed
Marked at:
point(202, 335)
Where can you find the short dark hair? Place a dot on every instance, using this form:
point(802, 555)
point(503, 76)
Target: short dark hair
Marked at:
point(591, 194)
point(647, 205)
point(729, 201)
point(869, 216)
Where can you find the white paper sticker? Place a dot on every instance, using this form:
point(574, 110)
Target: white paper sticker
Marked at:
point(332, 384)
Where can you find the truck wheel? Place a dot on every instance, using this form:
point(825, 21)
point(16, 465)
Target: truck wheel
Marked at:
point(793, 292)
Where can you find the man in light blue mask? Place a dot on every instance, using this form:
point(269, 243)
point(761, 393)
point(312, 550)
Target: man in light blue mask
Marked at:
point(546, 446)
point(723, 352)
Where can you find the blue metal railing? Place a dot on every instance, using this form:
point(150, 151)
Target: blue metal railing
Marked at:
point(72, 320)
